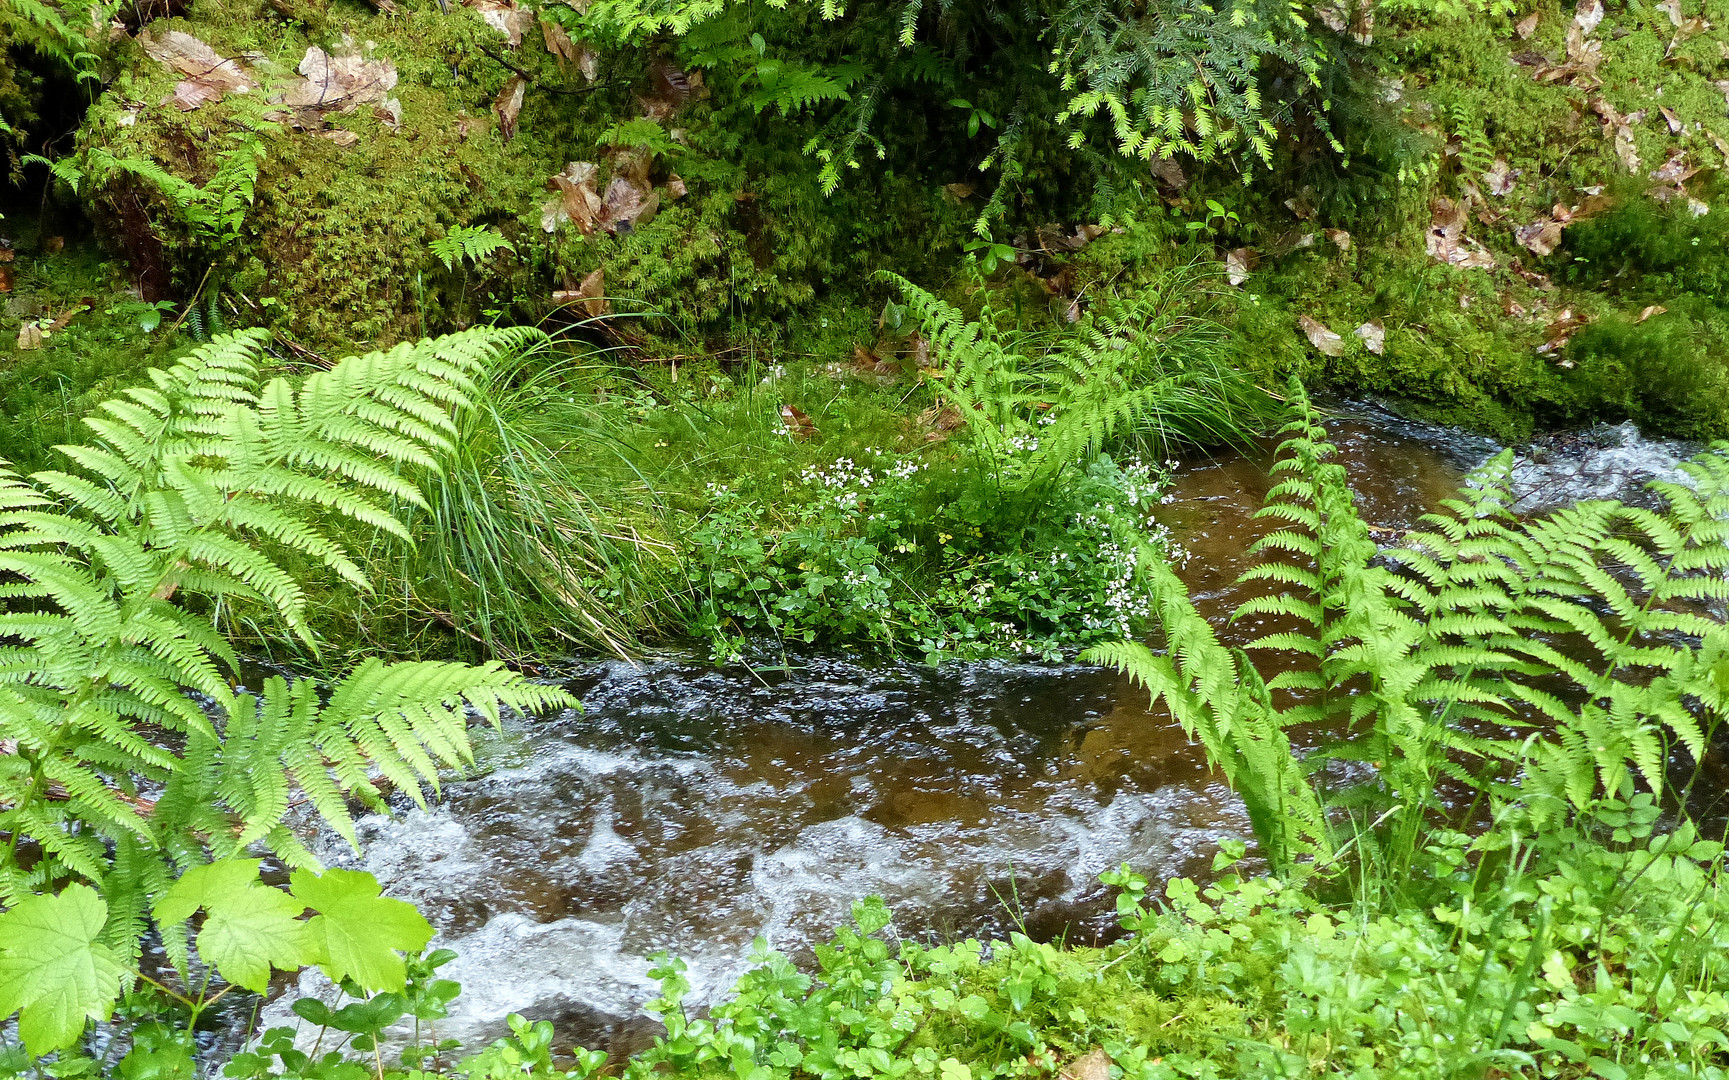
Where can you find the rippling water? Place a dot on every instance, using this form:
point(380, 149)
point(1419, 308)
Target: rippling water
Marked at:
point(691, 810)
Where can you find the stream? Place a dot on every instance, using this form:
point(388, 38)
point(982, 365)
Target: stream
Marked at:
point(691, 809)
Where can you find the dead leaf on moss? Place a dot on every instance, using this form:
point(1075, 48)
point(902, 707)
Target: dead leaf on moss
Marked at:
point(1648, 312)
point(508, 105)
point(1374, 335)
point(506, 17)
point(1446, 240)
point(1320, 337)
point(1512, 307)
point(1239, 263)
point(1340, 238)
point(1674, 170)
point(628, 205)
point(576, 201)
point(558, 42)
point(1527, 26)
point(1624, 148)
point(468, 126)
point(1557, 333)
point(1541, 237)
point(799, 425)
point(590, 296)
point(1669, 117)
point(1499, 179)
point(1671, 8)
point(674, 187)
point(29, 337)
point(587, 61)
point(209, 74)
point(869, 367)
point(389, 113)
point(1587, 15)
point(342, 82)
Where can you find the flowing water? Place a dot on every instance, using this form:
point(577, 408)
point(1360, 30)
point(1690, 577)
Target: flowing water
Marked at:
point(692, 810)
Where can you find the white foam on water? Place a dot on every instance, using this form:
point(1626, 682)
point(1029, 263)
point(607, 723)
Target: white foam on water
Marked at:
point(1602, 463)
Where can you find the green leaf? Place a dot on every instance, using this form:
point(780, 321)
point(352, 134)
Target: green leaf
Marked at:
point(53, 973)
point(357, 933)
point(250, 927)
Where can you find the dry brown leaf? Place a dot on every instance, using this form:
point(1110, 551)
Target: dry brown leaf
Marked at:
point(869, 367)
point(338, 82)
point(1374, 336)
point(340, 137)
point(1499, 179)
point(1512, 307)
point(209, 74)
point(508, 105)
point(389, 113)
point(1527, 26)
point(576, 202)
point(506, 17)
point(1168, 173)
point(628, 205)
point(29, 337)
point(5, 279)
point(1239, 263)
point(798, 425)
point(674, 187)
point(1320, 337)
point(587, 61)
point(1541, 237)
point(1446, 240)
point(1674, 171)
point(1588, 14)
point(1624, 148)
point(558, 42)
point(1340, 238)
point(590, 296)
point(1672, 8)
point(1558, 331)
point(1648, 312)
point(939, 422)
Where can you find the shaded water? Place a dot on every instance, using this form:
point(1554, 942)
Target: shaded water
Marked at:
point(691, 810)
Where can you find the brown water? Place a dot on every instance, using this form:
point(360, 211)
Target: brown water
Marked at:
point(692, 810)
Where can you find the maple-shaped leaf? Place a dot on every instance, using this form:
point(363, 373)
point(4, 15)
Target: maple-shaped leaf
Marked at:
point(249, 927)
point(358, 934)
point(53, 972)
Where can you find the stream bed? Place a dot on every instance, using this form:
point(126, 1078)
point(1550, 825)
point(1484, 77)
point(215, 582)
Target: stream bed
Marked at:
point(691, 810)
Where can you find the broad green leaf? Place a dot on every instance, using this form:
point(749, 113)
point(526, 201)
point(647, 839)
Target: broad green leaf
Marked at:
point(210, 887)
point(357, 933)
point(250, 927)
point(53, 973)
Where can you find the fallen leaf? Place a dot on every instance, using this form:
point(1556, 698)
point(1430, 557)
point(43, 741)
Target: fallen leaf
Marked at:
point(1698, 207)
point(1500, 177)
point(1446, 240)
point(7, 252)
point(590, 296)
point(209, 74)
point(1674, 170)
point(1557, 332)
point(1512, 307)
point(1669, 117)
point(338, 82)
point(1374, 336)
point(958, 192)
point(1320, 337)
point(29, 336)
point(1624, 148)
point(674, 187)
point(508, 105)
point(1239, 262)
point(1340, 238)
point(1672, 8)
point(871, 368)
point(1168, 173)
point(467, 126)
point(1588, 14)
point(577, 201)
point(1653, 309)
point(506, 17)
point(1541, 237)
point(340, 137)
point(389, 113)
point(628, 205)
point(798, 425)
point(558, 42)
point(939, 422)
point(5, 279)
point(1527, 26)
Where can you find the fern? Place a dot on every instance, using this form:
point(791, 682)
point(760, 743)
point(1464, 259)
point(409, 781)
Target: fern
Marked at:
point(470, 242)
point(1548, 663)
point(1139, 372)
point(126, 750)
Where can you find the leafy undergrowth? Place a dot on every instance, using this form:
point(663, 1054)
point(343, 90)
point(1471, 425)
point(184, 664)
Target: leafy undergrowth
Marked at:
point(1569, 956)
